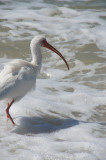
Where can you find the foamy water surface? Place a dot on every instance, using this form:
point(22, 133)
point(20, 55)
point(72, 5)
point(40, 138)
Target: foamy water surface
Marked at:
point(64, 118)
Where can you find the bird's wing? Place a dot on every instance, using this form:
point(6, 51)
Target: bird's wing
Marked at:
point(14, 75)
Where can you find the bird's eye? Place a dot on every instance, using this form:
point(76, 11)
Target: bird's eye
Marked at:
point(43, 42)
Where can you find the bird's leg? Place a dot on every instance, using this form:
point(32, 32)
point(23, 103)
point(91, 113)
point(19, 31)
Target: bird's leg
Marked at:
point(7, 111)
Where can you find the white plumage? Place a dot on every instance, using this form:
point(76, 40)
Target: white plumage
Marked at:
point(16, 79)
point(19, 76)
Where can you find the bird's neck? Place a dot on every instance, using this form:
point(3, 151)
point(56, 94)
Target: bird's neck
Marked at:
point(36, 56)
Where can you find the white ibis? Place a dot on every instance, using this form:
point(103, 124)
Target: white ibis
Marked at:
point(19, 76)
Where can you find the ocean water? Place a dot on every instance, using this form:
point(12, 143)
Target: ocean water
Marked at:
point(65, 117)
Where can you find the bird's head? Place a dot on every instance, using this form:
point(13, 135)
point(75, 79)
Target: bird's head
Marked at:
point(41, 41)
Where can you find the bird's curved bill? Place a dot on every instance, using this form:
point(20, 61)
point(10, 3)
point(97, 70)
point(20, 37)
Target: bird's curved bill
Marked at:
point(49, 46)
